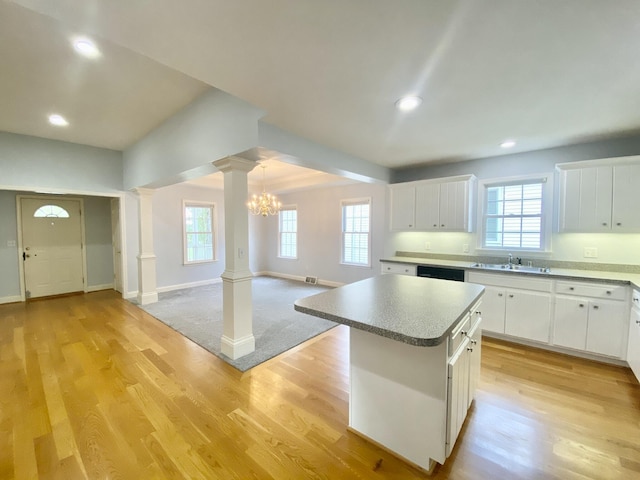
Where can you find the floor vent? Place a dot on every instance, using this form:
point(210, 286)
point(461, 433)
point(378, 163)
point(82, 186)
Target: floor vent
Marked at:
point(311, 280)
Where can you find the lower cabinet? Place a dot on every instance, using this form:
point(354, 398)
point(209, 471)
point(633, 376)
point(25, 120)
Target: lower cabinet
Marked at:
point(593, 320)
point(515, 305)
point(398, 268)
point(633, 346)
point(463, 372)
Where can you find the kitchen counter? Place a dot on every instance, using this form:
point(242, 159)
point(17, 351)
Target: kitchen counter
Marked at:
point(570, 274)
point(413, 310)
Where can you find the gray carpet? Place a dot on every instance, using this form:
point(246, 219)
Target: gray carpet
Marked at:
point(197, 314)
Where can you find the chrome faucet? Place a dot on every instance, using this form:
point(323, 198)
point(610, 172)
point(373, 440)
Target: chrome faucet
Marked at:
point(510, 260)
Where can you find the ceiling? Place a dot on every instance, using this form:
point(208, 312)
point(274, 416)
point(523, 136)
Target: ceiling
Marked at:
point(543, 73)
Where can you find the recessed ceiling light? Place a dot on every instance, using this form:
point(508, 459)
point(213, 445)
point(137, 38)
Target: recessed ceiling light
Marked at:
point(86, 47)
point(408, 103)
point(58, 120)
point(508, 144)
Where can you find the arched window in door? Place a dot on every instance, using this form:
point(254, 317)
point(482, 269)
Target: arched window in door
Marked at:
point(51, 211)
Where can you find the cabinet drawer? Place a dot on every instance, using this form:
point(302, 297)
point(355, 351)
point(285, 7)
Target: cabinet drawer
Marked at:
point(401, 268)
point(459, 333)
point(592, 290)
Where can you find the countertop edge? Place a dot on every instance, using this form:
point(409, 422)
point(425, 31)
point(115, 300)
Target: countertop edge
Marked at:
point(415, 341)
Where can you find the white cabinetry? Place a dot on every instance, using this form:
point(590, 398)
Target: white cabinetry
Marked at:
point(463, 371)
point(599, 198)
point(398, 268)
point(591, 317)
point(432, 205)
point(519, 306)
point(633, 347)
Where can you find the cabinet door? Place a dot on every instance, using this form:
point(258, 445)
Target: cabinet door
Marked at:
point(570, 322)
point(454, 206)
point(475, 358)
point(586, 199)
point(458, 393)
point(428, 206)
point(606, 328)
point(402, 207)
point(633, 347)
point(626, 197)
point(493, 309)
point(528, 315)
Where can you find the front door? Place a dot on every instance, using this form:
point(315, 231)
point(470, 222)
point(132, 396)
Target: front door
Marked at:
point(52, 246)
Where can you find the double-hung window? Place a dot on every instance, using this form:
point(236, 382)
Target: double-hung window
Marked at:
point(288, 232)
point(514, 215)
point(356, 237)
point(199, 234)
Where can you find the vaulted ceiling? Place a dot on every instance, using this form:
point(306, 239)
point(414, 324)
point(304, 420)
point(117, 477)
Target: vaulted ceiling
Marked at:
point(543, 73)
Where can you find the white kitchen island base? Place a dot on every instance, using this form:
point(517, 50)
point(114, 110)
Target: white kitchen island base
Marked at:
point(414, 359)
point(398, 396)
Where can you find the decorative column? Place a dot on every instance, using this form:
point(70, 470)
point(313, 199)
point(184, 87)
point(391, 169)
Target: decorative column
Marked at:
point(237, 306)
point(147, 292)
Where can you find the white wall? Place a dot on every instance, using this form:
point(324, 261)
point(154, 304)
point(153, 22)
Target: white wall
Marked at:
point(168, 236)
point(319, 234)
point(213, 126)
point(31, 163)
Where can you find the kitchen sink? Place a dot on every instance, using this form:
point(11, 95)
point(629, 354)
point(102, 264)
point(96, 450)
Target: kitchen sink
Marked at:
point(511, 267)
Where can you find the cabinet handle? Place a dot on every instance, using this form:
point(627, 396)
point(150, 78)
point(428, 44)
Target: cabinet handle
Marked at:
point(637, 322)
point(604, 224)
point(619, 224)
point(608, 292)
point(410, 225)
point(463, 332)
point(442, 225)
point(469, 349)
point(499, 294)
point(478, 313)
point(636, 299)
point(571, 288)
point(473, 342)
point(435, 224)
point(581, 305)
point(510, 296)
point(596, 307)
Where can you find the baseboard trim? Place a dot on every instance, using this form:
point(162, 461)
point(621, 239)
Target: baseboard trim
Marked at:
point(298, 278)
point(553, 348)
point(97, 288)
point(180, 286)
point(11, 299)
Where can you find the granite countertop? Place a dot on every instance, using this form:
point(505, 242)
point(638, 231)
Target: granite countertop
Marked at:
point(414, 310)
point(632, 279)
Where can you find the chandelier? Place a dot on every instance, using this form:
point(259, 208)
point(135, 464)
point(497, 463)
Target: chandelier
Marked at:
point(265, 204)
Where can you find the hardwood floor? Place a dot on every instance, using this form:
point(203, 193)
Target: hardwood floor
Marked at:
point(93, 387)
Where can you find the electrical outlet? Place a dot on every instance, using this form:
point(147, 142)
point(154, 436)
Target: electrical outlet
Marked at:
point(465, 248)
point(590, 252)
point(427, 245)
point(11, 243)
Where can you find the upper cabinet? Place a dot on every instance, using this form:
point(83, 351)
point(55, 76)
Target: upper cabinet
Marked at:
point(599, 198)
point(433, 205)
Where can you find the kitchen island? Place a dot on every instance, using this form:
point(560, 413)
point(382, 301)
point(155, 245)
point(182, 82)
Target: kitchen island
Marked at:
point(414, 359)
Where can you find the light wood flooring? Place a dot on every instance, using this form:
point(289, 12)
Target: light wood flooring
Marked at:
point(93, 387)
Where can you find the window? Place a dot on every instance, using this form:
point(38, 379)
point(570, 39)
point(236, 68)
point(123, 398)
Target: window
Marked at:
point(288, 231)
point(198, 232)
point(514, 215)
point(51, 211)
point(355, 232)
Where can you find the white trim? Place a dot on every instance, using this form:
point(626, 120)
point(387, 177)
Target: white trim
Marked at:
point(214, 230)
point(97, 288)
point(353, 202)
point(547, 212)
point(298, 278)
point(279, 242)
point(11, 299)
point(180, 286)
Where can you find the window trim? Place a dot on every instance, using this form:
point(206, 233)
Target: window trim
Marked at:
point(287, 208)
point(214, 230)
point(355, 201)
point(546, 227)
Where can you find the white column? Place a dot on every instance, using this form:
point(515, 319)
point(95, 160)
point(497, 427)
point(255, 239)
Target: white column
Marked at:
point(147, 292)
point(237, 339)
